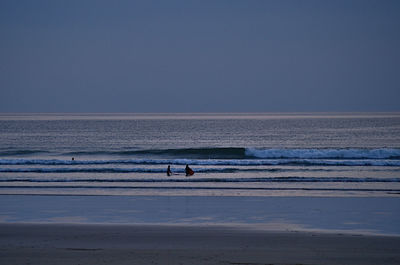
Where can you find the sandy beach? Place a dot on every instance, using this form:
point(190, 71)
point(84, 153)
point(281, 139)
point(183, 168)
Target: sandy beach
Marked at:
point(177, 244)
point(198, 230)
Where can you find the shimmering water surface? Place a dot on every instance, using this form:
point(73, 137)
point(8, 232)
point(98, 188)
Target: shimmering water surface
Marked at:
point(309, 154)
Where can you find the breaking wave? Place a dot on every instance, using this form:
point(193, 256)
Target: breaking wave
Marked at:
point(233, 153)
point(382, 153)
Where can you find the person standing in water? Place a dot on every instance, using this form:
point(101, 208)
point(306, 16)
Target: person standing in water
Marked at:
point(189, 171)
point(169, 173)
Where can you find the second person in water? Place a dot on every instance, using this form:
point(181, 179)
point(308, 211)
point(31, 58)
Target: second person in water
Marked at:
point(188, 171)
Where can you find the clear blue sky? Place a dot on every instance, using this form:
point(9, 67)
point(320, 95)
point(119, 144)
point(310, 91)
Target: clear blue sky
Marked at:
point(199, 56)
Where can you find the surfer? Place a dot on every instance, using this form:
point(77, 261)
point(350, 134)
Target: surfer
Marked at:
point(169, 173)
point(189, 171)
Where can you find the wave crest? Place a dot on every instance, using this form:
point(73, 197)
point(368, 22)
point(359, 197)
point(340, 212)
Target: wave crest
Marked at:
point(232, 153)
point(381, 153)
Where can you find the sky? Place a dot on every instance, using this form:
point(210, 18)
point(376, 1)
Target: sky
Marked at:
point(199, 56)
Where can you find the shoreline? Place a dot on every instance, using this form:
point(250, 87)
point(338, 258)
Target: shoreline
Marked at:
point(62, 244)
point(262, 228)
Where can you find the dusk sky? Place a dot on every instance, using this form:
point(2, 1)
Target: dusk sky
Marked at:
point(199, 56)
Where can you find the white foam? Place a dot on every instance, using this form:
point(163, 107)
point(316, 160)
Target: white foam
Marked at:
point(382, 153)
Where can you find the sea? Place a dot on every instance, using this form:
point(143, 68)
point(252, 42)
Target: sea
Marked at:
point(232, 154)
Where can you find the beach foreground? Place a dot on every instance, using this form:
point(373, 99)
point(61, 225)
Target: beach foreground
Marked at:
point(178, 244)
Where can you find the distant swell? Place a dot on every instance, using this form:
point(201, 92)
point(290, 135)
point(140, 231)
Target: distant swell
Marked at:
point(212, 153)
point(21, 152)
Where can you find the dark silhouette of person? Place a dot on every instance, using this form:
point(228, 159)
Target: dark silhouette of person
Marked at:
point(169, 173)
point(189, 171)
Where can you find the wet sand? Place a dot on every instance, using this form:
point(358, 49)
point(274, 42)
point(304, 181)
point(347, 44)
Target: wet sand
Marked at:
point(328, 214)
point(178, 244)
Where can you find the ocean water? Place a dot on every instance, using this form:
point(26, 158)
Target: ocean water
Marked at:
point(308, 154)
